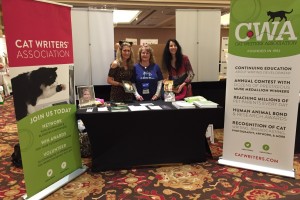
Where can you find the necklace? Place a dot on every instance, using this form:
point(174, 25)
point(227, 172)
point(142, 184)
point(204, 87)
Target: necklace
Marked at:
point(145, 66)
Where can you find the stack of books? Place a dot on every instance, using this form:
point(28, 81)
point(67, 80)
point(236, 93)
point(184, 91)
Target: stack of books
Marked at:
point(205, 104)
point(201, 102)
point(183, 105)
point(194, 98)
point(119, 108)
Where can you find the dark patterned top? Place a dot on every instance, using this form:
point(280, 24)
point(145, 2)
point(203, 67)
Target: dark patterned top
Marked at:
point(117, 93)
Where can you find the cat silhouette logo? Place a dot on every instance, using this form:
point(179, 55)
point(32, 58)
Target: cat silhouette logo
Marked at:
point(280, 14)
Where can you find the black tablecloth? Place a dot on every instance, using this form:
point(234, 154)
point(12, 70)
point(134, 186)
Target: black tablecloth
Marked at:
point(122, 140)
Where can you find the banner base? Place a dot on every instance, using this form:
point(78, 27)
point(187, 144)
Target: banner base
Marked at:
point(268, 170)
point(55, 186)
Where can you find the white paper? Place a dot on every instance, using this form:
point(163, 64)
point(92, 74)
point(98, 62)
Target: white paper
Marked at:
point(101, 109)
point(137, 108)
point(155, 107)
point(89, 109)
point(146, 104)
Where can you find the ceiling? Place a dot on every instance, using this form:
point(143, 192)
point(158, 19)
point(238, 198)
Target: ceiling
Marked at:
point(155, 13)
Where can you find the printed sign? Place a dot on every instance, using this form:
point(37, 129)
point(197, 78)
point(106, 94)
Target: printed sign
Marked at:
point(39, 45)
point(262, 86)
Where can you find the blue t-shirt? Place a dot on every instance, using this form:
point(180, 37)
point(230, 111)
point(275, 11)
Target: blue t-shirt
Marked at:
point(146, 79)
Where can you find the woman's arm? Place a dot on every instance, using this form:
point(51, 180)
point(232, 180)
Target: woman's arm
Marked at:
point(136, 94)
point(158, 90)
point(110, 79)
point(189, 70)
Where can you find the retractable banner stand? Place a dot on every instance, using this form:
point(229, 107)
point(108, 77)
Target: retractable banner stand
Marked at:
point(40, 53)
point(262, 86)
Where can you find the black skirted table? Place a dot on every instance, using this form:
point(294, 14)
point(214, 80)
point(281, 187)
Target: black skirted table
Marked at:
point(122, 140)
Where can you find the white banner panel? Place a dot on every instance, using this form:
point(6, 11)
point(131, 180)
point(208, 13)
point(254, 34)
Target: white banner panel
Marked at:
point(93, 44)
point(198, 32)
point(40, 51)
point(262, 86)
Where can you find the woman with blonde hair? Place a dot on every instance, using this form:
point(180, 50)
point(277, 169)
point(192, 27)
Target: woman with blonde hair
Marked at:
point(147, 76)
point(121, 69)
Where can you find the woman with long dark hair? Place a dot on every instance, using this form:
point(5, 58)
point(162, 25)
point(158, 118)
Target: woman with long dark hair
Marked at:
point(179, 69)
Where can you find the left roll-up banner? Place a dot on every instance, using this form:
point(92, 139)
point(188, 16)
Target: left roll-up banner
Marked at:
point(40, 55)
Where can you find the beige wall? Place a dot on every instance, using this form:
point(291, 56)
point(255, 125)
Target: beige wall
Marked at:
point(162, 34)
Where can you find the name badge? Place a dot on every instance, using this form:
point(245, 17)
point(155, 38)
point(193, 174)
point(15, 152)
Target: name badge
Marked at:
point(146, 88)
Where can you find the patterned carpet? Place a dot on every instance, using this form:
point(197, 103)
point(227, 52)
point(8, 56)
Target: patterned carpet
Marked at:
point(206, 180)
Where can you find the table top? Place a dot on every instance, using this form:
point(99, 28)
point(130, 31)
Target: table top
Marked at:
point(161, 103)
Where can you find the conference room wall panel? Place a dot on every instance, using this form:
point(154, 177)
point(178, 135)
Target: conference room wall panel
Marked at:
point(93, 45)
point(200, 40)
point(81, 49)
point(162, 34)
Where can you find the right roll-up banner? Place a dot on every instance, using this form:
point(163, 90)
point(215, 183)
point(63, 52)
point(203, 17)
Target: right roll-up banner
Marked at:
point(263, 84)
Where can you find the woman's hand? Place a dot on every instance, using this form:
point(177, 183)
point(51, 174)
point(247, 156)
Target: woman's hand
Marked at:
point(155, 97)
point(176, 89)
point(179, 88)
point(139, 98)
point(165, 80)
